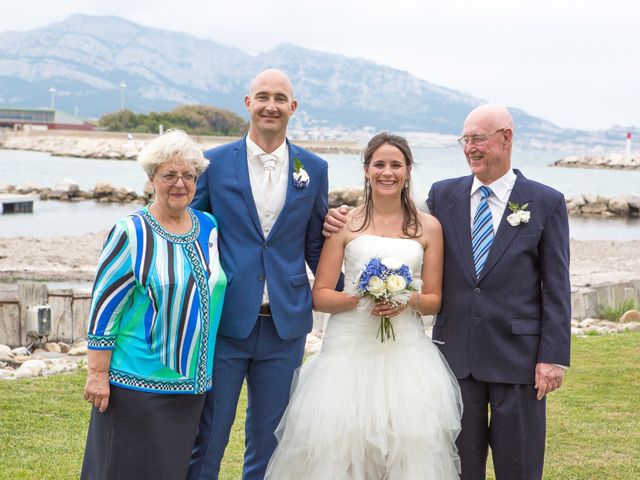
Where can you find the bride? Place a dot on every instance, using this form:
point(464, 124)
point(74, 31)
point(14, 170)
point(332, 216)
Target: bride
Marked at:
point(363, 409)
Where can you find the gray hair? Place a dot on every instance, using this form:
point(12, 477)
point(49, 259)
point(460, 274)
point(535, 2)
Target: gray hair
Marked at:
point(172, 145)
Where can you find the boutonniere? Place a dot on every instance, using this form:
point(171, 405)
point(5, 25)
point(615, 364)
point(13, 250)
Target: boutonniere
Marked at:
point(519, 214)
point(300, 175)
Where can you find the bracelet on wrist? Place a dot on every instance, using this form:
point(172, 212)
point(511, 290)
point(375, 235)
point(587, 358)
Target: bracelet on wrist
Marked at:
point(415, 304)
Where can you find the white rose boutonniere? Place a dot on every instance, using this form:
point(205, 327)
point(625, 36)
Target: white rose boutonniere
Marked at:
point(300, 175)
point(520, 214)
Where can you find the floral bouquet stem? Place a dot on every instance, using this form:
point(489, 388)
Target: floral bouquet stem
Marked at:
point(386, 332)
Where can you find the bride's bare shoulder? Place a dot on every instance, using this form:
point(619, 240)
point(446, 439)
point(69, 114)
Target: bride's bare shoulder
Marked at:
point(431, 228)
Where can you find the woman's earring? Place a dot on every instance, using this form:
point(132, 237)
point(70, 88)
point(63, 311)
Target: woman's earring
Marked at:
point(406, 184)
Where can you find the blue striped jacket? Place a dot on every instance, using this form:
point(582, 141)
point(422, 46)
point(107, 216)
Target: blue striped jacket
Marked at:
point(156, 302)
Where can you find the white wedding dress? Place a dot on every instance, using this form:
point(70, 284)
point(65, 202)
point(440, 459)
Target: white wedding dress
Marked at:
point(365, 410)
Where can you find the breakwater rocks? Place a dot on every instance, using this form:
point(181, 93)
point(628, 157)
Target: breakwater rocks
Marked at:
point(123, 146)
point(97, 145)
point(598, 205)
point(68, 190)
point(627, 205)
point(613, 160)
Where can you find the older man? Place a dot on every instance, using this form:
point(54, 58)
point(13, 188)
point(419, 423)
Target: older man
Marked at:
point(269, 197)
point(504, 326)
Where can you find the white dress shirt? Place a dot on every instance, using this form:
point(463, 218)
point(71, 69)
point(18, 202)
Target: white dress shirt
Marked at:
point(268, 204)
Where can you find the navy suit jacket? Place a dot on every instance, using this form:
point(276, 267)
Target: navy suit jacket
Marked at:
point(518, 312)
point(248, 257)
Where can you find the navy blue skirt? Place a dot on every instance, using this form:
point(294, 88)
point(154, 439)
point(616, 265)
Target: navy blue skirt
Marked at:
point(142, 435)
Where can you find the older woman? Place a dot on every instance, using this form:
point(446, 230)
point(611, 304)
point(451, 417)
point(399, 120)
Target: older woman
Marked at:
point(155, 309)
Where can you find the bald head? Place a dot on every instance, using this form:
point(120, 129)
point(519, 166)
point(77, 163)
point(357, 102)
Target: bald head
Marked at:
point(491, 115)
point(488, 134)
point(270, 104)
point(271, 76)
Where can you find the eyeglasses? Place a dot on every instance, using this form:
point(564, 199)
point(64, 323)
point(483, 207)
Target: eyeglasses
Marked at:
point(172, 178)
point(476, 139)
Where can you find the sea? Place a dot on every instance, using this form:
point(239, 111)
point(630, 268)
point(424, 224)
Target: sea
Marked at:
point(55, 218)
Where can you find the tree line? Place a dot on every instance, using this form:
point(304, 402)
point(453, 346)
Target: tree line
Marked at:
point(193, 119)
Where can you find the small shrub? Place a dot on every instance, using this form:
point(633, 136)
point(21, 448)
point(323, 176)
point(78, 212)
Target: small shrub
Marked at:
point(613, 314)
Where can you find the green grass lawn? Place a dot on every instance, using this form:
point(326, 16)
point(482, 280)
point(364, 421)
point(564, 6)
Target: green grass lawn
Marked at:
point(593, 421)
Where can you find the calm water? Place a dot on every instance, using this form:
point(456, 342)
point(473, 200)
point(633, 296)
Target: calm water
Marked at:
point(61, 218)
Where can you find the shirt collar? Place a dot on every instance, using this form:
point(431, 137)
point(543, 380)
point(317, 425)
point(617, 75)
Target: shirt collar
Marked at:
point(501, 188)
point(255, 151)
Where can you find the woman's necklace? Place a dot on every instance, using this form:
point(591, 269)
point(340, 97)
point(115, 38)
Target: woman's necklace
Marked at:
point(389, 220)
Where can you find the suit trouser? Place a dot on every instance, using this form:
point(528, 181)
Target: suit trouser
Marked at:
point(515, 430)
point(268, 364)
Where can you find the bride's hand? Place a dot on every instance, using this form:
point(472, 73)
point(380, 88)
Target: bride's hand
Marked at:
point(384, 309)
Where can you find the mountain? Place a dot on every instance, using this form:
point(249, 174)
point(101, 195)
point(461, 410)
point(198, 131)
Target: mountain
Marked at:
point(87, 57)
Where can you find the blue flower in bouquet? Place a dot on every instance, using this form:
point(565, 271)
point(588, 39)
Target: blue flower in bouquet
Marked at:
point(375, 270)
point(388, 280)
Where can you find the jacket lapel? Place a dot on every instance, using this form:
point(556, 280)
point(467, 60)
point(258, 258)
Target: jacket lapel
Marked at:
point(506, 233)
point(459, 210)
point(289, 199)
point(242, 173)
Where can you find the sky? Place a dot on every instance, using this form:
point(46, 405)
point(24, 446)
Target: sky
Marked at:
point(574, 63)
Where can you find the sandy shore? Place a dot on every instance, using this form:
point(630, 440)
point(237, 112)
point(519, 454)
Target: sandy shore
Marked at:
point(74, 258)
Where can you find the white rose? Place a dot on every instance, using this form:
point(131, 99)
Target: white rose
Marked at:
point(514, 219)
point(376, 285)
point(524, 216)
point(391, 263)
point(396, 283)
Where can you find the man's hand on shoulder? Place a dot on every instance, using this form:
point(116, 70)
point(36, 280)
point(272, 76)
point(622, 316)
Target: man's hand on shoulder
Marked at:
point(548, 378)
point(335, 219)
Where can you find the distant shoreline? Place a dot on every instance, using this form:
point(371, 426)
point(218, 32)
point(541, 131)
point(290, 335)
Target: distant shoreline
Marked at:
point(125, 146)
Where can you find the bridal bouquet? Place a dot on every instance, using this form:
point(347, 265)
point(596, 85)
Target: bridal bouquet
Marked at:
point(384, 280)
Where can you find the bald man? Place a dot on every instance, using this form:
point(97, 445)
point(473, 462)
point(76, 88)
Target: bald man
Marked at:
point(269, 197)
point(504, 326)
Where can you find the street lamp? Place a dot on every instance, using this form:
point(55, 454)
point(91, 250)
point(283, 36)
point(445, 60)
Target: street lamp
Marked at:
point(122, 87)
point(52, 91)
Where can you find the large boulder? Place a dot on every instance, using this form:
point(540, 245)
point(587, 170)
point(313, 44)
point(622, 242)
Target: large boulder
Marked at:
point(31, 368)
point(350, 196)
point(102, 190)
point(595, 208)
point(67, 186)
point(630, 316)
point(634, 205)
point(619, 205)
point(27, 188)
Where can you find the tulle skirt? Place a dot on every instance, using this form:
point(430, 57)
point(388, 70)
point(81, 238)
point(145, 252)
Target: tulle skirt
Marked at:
point(365, 410)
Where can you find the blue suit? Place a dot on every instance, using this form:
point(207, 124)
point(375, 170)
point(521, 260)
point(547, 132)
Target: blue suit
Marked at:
point(494, 329)
point(264, 350)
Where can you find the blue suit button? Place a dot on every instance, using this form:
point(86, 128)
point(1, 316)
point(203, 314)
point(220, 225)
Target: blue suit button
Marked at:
point(261, 277)
point(476, 290)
